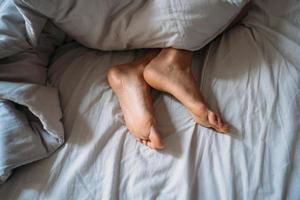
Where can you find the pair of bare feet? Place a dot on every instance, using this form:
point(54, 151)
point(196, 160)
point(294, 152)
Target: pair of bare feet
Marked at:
point(167, 70)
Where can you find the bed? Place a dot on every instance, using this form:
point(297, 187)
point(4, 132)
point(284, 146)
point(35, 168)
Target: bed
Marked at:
point(250, 74)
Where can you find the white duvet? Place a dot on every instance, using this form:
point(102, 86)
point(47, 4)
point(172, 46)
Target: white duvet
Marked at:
point(29, 130)
point(251, 74)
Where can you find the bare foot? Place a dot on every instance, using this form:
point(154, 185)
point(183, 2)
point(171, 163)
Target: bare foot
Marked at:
point(134, 96)
point(170, 71)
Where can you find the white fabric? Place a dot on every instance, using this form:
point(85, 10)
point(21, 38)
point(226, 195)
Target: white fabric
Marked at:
point(16, 30)
point(30, 65)
point(131, 24)
point(30, 115)
point(29, 130)
point(251, 75)
point(27, 41)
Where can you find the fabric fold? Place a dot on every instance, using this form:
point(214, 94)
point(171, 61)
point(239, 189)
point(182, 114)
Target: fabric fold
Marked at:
point(31, 126)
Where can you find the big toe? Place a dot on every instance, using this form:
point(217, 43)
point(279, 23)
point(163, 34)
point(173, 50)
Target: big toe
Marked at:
point(155, 141)
point(213, 119)
point(217, 122)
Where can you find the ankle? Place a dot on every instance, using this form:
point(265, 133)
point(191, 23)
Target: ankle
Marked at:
point(177, 58)
point(175, 55)
point(146, 59)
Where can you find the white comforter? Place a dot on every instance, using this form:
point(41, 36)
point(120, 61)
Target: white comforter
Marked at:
point(29, 130)
point(250, 74)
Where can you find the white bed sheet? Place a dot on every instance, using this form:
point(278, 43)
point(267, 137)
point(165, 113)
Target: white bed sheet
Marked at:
point(251, 75)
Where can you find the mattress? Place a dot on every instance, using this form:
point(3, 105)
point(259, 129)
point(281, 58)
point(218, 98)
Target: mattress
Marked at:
point(250, 74)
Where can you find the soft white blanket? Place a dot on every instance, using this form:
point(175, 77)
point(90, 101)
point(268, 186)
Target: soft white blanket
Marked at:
point(250, 74)
point(28, 39)
point(30, 115)
point(29, 130)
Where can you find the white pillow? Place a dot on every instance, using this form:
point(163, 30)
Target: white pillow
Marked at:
point(128, 24)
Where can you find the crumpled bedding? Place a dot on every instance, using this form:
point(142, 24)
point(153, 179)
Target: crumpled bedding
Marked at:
point(250, 75)
point(29, 130)
point(132, 24)
point(28, 39)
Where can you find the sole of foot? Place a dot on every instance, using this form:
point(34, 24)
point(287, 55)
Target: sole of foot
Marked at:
point(170, 71)
point(134, 97)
